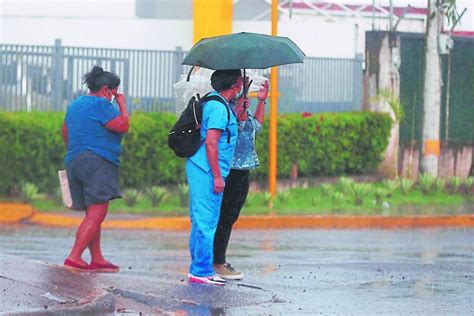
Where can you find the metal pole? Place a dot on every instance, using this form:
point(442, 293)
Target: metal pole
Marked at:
point(2, 76)
point(57, 79)
point(373, 15)
point(272, 174)
point(448, 99)
point(391, 15)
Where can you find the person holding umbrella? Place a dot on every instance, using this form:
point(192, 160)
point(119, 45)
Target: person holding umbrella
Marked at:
point(207, 170)
point(233, 51)
point(237, 182)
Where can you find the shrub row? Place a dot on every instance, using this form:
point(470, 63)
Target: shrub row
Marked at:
point(327, 144)
point(31, 148)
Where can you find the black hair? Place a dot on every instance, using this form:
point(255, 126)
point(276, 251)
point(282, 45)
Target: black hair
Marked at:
point(97, 78)
point(224, 79)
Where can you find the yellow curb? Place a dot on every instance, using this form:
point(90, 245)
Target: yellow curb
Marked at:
point(273, 222)
point(55, 220)
point(163, 223)
point(15, 212)
point(353, 222)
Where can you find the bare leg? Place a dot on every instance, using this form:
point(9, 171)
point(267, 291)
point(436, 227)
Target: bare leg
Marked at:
point(88, 230)
point(94, 248)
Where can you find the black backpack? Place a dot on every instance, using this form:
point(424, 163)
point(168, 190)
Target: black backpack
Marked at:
point(185, 136)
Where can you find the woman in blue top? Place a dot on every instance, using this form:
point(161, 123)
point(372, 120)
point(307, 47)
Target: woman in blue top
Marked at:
point(92, 133)
point(206, 172)
point(237, 183)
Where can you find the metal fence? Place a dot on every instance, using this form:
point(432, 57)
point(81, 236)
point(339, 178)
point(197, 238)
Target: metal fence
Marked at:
point(48, 78)
point(321, 85)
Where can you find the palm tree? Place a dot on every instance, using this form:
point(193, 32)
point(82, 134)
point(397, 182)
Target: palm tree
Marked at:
point(432, 91)
point(432, 84)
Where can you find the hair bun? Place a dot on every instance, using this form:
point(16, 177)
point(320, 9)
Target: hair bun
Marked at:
point(97, 71)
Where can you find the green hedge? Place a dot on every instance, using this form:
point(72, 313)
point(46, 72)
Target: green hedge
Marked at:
point(31, 148)
point(327, 144)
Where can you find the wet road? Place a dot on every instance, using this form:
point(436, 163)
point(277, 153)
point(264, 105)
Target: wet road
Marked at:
point(422, 272)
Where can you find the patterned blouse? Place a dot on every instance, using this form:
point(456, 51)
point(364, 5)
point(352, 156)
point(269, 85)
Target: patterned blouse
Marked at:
point(245, 156)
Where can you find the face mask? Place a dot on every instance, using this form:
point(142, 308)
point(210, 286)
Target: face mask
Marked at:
point(238, 95)
point(112, 96)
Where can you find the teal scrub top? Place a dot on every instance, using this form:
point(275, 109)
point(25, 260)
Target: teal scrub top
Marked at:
point(214, 116)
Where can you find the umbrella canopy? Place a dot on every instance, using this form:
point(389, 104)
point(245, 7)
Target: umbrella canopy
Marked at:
point(244, 51)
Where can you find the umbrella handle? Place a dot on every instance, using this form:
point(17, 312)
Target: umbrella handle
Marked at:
point(246, 89)
point(246, 103)
point(189, 74)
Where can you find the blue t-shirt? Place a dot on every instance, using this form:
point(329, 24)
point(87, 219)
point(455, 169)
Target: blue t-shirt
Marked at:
point(214, 116)
point(86, 118)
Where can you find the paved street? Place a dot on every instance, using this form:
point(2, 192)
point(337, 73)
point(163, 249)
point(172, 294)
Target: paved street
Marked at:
point(286, 271)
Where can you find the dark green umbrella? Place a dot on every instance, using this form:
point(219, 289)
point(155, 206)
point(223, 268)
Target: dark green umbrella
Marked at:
point(244, 51)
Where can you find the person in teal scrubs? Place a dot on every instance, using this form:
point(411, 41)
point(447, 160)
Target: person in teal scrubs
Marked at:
point(207, 170)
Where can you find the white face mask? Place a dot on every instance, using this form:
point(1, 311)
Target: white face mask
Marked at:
point(112, 96)
point(239, 95)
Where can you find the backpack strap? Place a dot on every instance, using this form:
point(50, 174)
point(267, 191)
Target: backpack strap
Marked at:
point(204, 97)
point(217, 98)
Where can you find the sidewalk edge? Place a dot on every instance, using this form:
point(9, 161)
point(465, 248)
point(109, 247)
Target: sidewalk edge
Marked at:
point(272, 222)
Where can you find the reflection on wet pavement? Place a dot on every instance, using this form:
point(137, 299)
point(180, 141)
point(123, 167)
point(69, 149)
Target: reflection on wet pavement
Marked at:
point(286, 271)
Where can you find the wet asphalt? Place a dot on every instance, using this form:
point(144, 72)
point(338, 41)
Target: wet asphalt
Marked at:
point(287, 272)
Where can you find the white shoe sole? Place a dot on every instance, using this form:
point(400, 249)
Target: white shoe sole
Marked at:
point(231, 277)
point(204, 280)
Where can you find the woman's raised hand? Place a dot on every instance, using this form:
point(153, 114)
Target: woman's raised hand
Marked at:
point(120, 98)
point(263, 91)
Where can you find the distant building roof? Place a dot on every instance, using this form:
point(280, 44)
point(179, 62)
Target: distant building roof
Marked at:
point(355, 8)
point(463, 34)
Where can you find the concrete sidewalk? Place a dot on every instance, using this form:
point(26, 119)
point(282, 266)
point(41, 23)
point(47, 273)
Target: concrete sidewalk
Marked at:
point(29, 287)
point(34, 288)
point(19, 213)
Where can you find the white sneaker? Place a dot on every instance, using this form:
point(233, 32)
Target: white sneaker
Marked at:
point(213, 279)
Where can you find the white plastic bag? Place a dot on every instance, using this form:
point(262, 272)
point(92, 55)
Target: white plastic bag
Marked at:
point(65, 191)
point(200, 83)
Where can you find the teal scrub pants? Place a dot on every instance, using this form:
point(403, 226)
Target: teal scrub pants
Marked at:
point(204, 209)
